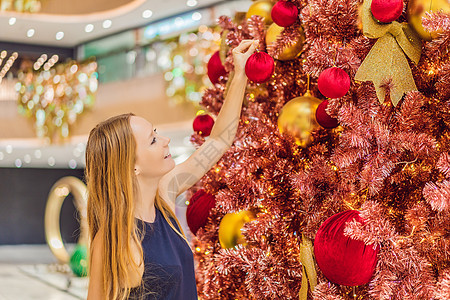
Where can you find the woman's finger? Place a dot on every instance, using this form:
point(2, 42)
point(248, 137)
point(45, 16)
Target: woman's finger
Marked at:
point(252, 47)
point(243, 46)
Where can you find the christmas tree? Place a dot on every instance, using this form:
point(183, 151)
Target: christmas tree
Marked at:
point(373, 177)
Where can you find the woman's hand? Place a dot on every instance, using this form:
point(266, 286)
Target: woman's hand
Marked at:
point(242, 52)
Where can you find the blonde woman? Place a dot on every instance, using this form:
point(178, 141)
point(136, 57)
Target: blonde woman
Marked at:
point(138, 250)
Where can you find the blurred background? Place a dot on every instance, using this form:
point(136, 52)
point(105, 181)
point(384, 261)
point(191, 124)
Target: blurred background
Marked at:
point(64, 67)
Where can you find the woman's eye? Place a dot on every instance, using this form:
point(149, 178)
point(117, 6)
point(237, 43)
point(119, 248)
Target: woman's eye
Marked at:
point(154, 139)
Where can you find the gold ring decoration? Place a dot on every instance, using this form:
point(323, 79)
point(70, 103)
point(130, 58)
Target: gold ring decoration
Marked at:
point(58, 193)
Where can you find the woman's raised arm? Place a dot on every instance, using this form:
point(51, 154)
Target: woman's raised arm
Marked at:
point(186, 174)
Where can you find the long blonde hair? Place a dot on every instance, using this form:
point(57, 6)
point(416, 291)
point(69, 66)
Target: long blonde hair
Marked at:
point(112, 188)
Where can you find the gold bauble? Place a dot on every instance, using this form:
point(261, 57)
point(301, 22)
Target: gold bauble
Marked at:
point(230, 228)
point(418, 8)
point(298, 118)
point(290, 52)
point(240, 17)
point(261, 8)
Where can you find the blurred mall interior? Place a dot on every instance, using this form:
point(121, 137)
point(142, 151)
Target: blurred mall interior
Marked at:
point(64, 67)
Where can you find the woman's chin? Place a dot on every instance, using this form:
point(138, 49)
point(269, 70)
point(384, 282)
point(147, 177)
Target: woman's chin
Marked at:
point(170, 162)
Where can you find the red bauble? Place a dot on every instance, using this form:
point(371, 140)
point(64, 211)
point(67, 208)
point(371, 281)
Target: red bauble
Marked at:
point(215, 68)
point(341, 259)
point(197, 212)
point(386, 11)
point(323, 118)
point(259, 67)
point(333, 82)
point(284, 13)
point(203, 124)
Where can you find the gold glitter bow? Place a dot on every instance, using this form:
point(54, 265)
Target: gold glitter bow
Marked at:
point(309, 270)
point(386, 61)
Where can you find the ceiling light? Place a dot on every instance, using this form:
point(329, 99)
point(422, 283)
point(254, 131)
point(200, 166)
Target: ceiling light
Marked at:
point(191, 3)
point(27, 158)
point(59, 35)
point(107, 24)
point(51, 161)
point(37, 153)
point(89, 28)
point(30, 32)
point(147, 14)
point(72, 163)
point(196, 16)
point(12, 21)
point(18, 163)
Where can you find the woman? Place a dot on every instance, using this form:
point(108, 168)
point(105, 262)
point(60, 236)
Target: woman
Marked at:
point(137, 247)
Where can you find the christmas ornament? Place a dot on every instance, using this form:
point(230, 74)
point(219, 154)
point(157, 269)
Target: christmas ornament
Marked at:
point(386, 61)
point(78, 261)
point(333, 82)
point(261, 8)
point(386, 11)
point(284, 13)
point(215, 68)
point(298, 118)
point(197, 212)
point(259, 67)
point(323, 118)
point(416, 11)
point(230, 228)
point(274, 31)
point(343, 260)
point(203, 124)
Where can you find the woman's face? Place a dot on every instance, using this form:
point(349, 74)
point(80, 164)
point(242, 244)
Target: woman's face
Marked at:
point(151, 150)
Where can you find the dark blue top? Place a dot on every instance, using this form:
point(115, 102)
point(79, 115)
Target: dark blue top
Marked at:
point(169, 263)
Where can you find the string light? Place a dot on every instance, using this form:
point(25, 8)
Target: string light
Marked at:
point(8, 63)
point(39, 62)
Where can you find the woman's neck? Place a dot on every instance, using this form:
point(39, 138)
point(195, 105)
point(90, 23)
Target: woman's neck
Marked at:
point(145, 202)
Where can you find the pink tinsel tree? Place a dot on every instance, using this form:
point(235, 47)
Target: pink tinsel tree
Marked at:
point(390, 162)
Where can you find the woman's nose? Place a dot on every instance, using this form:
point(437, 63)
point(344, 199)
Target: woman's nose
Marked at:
point(167, 140)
